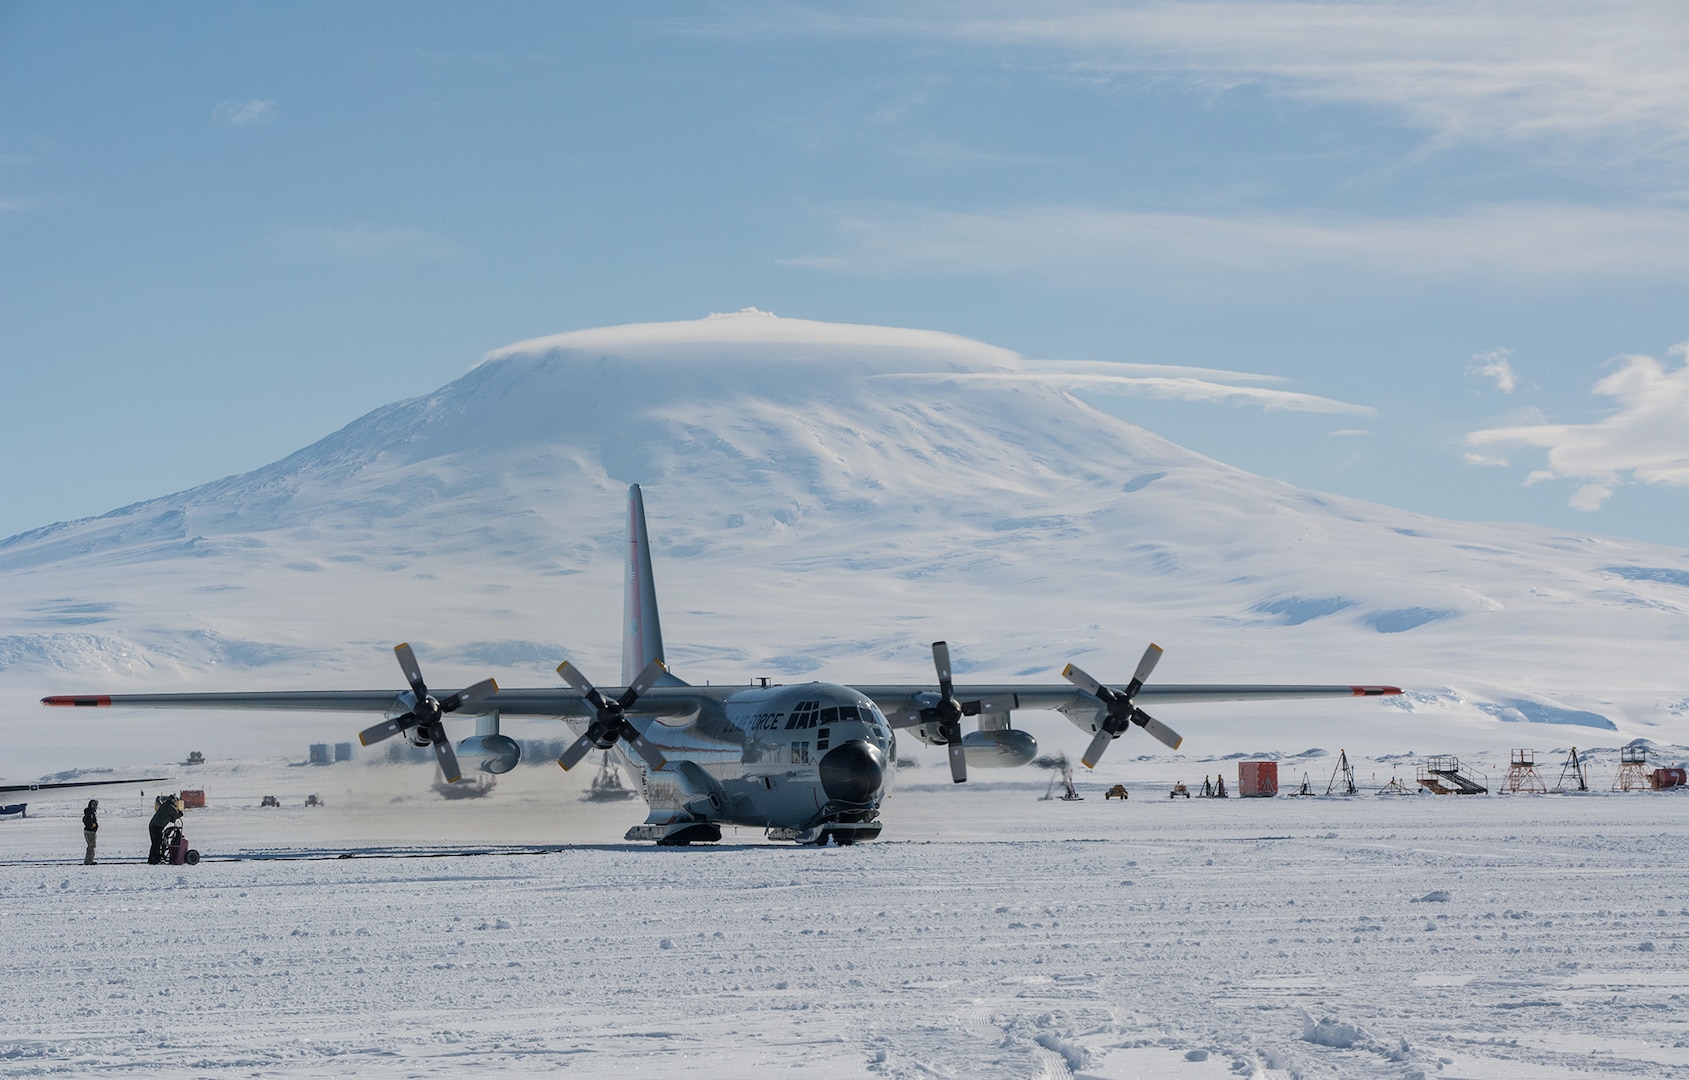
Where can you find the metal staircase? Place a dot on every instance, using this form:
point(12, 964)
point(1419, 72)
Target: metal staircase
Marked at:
point(1446, 776)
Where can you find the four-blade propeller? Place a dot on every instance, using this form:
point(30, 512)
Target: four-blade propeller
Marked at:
point(1121, 712)
point(426, 714)
point(610, 722)
point(948, 713)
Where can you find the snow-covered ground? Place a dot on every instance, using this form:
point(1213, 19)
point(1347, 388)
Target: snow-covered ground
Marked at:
point(989, 933)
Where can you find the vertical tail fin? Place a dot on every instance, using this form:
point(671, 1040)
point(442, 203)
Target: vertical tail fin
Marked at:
point(642, 632)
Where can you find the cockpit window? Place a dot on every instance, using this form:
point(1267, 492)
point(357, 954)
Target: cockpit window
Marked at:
point(803, 716)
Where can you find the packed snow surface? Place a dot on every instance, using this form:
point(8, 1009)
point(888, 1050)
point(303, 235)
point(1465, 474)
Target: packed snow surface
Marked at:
point(990, 933)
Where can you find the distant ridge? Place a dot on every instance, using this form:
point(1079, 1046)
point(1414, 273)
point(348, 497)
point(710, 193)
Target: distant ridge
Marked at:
point(824, 500)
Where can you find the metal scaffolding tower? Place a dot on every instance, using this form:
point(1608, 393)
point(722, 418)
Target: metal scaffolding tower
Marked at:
point(1633, 769)
point(1342, 777)
point(1573, 768)
point(1522, 774)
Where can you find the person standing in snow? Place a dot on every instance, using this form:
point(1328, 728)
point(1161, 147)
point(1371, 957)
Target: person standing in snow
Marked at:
point(169, 810)
point(90, 829)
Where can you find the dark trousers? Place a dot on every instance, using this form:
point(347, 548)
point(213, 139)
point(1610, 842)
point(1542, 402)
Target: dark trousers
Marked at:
point(156, 855)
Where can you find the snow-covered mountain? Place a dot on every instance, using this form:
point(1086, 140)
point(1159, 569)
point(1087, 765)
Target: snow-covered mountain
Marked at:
point(825, 500)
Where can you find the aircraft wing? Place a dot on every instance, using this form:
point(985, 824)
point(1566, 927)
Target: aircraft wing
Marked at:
point(81, 783)
point(302, 700)
point(545, 701)
point(903, 704)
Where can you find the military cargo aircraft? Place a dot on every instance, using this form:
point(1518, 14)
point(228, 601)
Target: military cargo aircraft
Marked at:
point(808, 763)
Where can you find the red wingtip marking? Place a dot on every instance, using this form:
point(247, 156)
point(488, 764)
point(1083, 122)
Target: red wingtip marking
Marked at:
point(98, 701)
point(1375, 691)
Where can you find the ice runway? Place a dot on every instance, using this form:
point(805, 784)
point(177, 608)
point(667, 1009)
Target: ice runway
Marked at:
point(988, 934)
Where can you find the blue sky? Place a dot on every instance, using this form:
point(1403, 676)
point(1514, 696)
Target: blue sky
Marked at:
point(1457, 234)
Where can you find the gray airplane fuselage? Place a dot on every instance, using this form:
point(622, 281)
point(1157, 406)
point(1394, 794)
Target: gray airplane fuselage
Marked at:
point(806, 762)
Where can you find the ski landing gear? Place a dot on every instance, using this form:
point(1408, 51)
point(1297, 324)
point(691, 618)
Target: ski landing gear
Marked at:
point(676, 833)
point(843, 824)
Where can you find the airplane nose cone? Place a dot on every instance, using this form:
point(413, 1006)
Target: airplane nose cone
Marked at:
point(853, 772)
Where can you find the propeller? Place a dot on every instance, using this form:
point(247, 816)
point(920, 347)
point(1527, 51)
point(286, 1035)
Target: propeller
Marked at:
point(427, 713)
point(948, 713)
point(1121, 712)
point(610, 721)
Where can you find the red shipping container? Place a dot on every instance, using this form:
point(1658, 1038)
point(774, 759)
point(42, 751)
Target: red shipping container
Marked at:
point(193, 800)
point(1257, 779)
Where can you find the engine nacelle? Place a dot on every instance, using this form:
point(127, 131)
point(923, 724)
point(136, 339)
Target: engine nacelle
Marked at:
point(1005, 748)
point(495, 754)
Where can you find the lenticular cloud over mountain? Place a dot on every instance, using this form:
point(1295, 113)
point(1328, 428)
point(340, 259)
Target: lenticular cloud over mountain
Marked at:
point(825, 500)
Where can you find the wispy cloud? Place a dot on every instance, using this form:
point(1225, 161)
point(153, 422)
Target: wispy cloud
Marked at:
point(1645, 439)
point(24, 203)
point(1166, 382)
point(935, 153)
point(1496, 366)
point(1590, 497)
point(362, 243)
point(1488, 460)
point(1525, 241)
point(243, 113)
point(1557, 76)
point(1118, 369)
